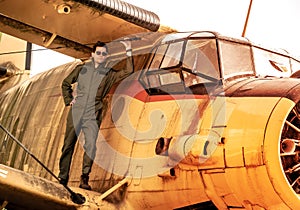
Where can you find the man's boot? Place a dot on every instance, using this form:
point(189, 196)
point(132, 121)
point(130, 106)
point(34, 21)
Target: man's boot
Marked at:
point(84, 182)
point(63, 181)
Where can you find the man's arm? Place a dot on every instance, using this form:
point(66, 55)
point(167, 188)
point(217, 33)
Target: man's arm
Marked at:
point(67, 85)
point(114, 77)
point(129, 63)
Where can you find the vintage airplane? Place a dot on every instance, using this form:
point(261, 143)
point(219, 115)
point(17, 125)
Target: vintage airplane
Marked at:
point(205, 121)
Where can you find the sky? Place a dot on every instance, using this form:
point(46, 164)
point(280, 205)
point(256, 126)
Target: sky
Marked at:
point(272, 23)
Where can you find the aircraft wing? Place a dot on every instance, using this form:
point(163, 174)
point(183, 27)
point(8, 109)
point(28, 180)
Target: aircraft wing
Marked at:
point(73, 26)
point(21, 190)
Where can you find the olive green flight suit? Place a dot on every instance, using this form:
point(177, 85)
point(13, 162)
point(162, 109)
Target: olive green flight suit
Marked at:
point(92, 86)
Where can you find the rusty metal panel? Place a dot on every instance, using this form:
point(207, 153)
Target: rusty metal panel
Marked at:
point(244, 133)
point(252, 187)
point(222, 189)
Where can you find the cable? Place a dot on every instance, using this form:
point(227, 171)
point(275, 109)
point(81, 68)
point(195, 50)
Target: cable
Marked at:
point(55, 48)
point(76, 197)
point(25, 51)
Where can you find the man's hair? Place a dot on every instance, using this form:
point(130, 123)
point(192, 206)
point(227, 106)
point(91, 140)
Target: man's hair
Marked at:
point(100, 44)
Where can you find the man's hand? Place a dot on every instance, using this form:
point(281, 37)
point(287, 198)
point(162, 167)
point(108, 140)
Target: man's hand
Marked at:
point(126, 43)
point(73, 102)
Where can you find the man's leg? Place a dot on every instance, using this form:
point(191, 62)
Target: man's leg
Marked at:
point(67, 150)
point(90, 129)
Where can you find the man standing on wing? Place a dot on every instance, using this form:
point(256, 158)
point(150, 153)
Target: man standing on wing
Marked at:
point(94, 81)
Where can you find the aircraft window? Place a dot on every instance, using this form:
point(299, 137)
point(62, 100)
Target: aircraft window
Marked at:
point(158, 57)
point(295, 65)
point(153, 80)
point(279, 66)
point(166, 55)
point(173, 54)
point(160, 77)
point(191, 79)
point(176, 36)
point(268, 63)
point(165, 83)
point(170, 78)
point(200, 62)
point(236, 59)
point(199, 66)
point(202, 34)
point(163, 78)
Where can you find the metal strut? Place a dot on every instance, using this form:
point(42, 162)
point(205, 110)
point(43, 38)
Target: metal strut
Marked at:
point(76, 197)
point(115, 187)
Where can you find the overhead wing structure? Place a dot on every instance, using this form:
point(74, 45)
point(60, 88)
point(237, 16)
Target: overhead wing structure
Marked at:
point(73, 26)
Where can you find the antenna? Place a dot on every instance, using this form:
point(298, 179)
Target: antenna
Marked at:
point(247, 18)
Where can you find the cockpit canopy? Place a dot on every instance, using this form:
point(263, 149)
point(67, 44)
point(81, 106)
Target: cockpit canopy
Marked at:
point(183, 60)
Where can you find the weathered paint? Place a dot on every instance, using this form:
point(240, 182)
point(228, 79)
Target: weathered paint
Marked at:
point(224, 148)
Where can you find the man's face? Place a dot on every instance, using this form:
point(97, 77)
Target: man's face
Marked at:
point(100, 55)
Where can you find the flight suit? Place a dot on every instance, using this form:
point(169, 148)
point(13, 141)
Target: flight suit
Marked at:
point(85, 114)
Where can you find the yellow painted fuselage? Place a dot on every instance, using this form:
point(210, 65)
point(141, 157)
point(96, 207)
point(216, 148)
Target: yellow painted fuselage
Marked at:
point(228, 143)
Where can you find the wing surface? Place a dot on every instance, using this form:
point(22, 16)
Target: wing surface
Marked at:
point(72, 26)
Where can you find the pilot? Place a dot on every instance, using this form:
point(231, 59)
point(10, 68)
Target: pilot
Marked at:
point(94, 81)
